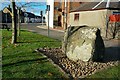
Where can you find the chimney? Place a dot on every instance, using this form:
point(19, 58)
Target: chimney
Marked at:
point(108, 4)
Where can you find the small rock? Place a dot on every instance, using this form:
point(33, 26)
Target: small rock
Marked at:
point(77, 69)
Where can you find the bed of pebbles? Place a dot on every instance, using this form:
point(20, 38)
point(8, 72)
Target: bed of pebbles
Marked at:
point(77, 69)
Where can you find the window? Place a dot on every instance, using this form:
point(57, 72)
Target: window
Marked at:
point(76, 17)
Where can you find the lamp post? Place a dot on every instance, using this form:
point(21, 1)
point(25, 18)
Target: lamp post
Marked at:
point(48, 9)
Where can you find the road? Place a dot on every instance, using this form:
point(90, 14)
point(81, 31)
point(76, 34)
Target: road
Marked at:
point(42, 29)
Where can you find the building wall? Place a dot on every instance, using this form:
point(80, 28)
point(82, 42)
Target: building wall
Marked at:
point(51, 14)
point(58, 17)
point(90, 18)
point(58, 14)
point(96, 18)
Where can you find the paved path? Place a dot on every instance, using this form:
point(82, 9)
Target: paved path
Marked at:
point(112, 50)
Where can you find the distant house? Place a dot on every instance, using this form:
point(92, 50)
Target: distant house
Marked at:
point(38, 19)
point(29, 17)
point(94, 14)
point(26, 17)
point(32, 18)
point(6, 16)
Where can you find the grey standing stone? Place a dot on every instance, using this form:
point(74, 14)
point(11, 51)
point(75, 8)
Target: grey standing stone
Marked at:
point(83, 43)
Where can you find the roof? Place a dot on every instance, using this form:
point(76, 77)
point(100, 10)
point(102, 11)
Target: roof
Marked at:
point(9, 10)
point(30, 14)
point(38, 16)
point(90, 5)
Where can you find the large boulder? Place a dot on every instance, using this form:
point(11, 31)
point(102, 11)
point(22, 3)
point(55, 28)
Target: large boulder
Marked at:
point(83, 43)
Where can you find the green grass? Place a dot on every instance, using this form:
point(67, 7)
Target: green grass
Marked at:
point(110, 73)
point(20, 60)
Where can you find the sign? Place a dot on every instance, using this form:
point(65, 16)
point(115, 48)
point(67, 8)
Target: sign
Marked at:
point(48, 7)
point(115, 18)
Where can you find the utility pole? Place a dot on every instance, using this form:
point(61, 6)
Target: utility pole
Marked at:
point(14, 28)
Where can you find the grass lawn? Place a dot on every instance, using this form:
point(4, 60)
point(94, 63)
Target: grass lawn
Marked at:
point(112, 73)
point(20, 60)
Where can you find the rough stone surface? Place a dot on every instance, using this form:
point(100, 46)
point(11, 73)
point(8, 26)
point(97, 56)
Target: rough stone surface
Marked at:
point(79, 69)
point(83, 43)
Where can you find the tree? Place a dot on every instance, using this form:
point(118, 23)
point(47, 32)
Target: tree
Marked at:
point(13, 14)
point(14, 27)
point(21, 5)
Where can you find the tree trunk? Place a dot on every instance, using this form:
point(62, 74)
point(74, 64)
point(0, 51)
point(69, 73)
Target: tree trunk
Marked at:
point(14, 28)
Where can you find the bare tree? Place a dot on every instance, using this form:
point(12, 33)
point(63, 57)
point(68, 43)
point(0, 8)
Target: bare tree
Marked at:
point(14, 27)
point(18, 7)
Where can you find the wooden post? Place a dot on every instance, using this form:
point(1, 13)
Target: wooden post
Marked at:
point(14, 28)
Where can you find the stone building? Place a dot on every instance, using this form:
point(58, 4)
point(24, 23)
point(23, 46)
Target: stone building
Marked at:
point(92, 14)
